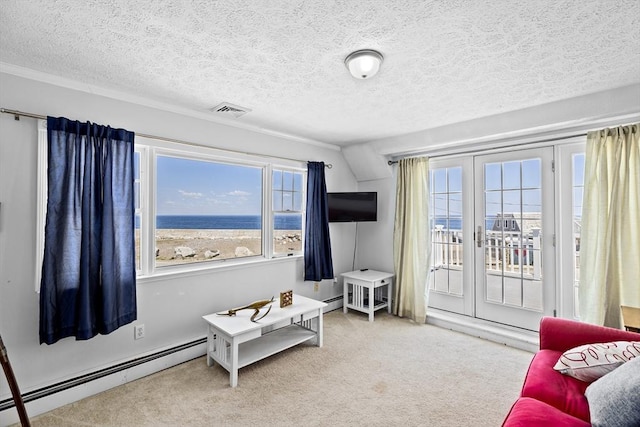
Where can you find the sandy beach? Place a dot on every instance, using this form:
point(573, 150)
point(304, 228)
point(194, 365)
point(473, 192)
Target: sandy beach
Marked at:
point(179, 246)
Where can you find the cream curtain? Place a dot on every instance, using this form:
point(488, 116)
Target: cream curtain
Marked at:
point(610, 236)
point(411, 239)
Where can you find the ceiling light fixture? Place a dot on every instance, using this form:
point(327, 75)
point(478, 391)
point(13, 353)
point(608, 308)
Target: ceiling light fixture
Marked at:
point(363, 64)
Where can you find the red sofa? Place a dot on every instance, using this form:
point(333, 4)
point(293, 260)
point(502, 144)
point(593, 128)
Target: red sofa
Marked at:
point(549, 398)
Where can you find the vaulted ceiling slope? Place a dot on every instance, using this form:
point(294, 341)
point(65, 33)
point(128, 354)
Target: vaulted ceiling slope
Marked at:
point(444, 61)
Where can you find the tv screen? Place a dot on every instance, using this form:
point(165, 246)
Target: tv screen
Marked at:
point(352, 207)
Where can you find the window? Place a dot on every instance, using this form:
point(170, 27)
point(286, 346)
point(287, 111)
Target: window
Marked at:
point(287, 203)
point(206, 210)
point(196, 209)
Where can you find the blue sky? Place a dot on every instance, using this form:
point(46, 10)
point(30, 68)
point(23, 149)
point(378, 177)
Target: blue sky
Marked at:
point(195, 187)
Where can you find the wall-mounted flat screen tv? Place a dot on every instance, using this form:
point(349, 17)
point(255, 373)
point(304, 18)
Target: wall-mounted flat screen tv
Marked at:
point(353, 207)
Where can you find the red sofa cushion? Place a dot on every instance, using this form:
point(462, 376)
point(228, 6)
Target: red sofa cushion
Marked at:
point(563, 334)
point(530, 412)
point(560, 391)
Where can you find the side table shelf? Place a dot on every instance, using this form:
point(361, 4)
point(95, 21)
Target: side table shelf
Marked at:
point(367, 291)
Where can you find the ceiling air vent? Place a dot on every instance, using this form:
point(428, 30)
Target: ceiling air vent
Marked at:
point(229, 110)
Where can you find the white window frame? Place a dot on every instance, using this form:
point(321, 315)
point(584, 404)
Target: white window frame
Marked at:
point(41, 200)
point(271, 232)
point(143, 211)
point(160, 148)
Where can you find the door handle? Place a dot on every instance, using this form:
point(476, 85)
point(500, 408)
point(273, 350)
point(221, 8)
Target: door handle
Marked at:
point(479, 236)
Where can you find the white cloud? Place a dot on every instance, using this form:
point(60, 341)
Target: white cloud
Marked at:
point(218, 201)
point(238, 193)
point(190, 194)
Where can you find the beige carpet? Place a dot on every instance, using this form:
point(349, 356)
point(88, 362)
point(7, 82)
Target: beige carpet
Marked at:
point(387, 373)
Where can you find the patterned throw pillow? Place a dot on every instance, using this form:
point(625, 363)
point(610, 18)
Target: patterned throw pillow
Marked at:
point(591, 361)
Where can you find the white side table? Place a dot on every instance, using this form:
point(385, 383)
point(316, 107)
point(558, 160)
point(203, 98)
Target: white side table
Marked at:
point(367, 291)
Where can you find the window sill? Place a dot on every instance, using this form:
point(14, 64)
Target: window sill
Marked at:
point(199, 270)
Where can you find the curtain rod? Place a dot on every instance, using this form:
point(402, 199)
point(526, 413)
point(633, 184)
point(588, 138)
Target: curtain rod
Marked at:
point(17, 114)
point(481, 149)
point(526, 139)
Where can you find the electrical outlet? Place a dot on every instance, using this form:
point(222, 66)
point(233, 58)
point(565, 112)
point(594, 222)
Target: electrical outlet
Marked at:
point(138, 331)
point(316, 286)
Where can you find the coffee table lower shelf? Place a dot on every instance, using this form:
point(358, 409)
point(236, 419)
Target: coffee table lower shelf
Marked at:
point(271, 343)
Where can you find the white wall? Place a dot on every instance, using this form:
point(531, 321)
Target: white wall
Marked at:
point(375, 239)
point(171, 308)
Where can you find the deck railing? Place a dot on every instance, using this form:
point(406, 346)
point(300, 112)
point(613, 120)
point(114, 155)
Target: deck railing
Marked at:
point(505, 251)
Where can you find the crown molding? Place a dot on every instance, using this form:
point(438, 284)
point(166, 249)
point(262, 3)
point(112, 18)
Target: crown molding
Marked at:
point(40, 76)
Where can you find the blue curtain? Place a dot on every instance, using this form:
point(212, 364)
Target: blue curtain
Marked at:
point(317, 244)
point(88, 282)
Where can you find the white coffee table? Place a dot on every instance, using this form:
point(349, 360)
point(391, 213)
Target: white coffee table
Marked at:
point(236, 341)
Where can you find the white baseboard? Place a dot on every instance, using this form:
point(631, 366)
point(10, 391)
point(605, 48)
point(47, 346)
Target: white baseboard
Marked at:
point(503, 334)
point(85, 389)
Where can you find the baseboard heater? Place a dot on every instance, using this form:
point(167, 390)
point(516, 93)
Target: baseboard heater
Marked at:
point(334, 303)
point(83, 379)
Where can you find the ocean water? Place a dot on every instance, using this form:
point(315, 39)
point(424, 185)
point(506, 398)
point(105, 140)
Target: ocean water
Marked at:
point(226, 222)
point(253, 222)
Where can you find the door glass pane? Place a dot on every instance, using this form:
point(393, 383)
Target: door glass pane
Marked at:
point(439, 181)
point(511, 174)
point(578, 191)
point(513, 270)
point(493, 176)
point(531, 174)
point(446, 231)
point(532, 201)
point(455, 179)
point(511, 202)
point(493, 206)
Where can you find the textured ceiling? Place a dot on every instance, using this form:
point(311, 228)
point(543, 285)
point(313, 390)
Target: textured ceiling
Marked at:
point(445, 61)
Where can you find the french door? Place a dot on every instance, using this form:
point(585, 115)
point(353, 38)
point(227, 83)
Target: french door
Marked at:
point(514, 230)
point(492, 233)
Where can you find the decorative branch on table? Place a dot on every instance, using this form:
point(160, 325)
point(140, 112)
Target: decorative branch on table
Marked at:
point(254, 305)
